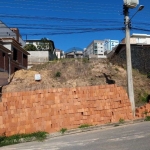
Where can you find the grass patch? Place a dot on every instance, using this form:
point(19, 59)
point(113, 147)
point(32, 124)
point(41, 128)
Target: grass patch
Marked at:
point(116, 125)
point(19, 138)
point(147, 118)
point(143, 97)
point(63, 130)
point(148, 75)
point(85, 60)
point(84, 126)
point(121, 120)
point(116, 69)
point(58, 74)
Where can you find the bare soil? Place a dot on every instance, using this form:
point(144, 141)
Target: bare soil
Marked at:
point(76, 73)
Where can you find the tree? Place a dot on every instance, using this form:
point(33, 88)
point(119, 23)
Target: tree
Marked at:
point(45, 44)
point(30, 47)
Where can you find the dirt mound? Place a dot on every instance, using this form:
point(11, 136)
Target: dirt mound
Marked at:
point(76, 72)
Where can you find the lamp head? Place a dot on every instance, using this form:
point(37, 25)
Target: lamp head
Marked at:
point(140, 7)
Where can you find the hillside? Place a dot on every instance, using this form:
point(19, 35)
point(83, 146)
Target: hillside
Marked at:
point(78, 72)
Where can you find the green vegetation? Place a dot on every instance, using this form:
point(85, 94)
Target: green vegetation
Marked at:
point(121, 120)
point(148, 75)
point(116, 69)
point(145, 113)
point(144, 96)
point(19, 138)
point(85, 60)
point(116, 125)
point(147, 118)
point(84, 126)
point(63, 130)
point(30, 47)
point(58, 74)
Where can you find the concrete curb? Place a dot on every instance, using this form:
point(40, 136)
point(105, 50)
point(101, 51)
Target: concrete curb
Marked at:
point(92, 128)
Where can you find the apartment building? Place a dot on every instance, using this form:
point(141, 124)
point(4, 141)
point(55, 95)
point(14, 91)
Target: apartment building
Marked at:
point(110, 44)
point(95, 49)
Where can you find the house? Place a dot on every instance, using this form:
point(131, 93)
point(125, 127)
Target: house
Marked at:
point(6, 32)
point(11, 53)
point(45, 51)
point(140, 52)
point(74, 52)
point(59, 53)
point(138, 39)
point(140, 56)
point(49, 44)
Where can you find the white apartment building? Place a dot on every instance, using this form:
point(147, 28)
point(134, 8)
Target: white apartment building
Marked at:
point(95, 49)
point(138, 39)
point(110, 44)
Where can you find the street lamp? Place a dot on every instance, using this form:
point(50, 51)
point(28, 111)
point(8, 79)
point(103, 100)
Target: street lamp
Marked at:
point(139, 9)
point(128, 56)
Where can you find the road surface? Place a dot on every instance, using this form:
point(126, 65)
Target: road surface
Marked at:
point(128, 137)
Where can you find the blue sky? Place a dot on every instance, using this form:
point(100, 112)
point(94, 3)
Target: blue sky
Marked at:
point(72, 23)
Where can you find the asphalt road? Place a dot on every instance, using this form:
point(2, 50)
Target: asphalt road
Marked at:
point(128, 137)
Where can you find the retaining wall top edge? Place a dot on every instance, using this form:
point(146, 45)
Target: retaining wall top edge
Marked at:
point(53, 90)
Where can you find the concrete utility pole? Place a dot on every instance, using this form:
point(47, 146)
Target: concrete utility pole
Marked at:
point(9, 73)
point(128, 51)
point(128, 60)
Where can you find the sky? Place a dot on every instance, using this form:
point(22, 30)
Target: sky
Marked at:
point(72, 23)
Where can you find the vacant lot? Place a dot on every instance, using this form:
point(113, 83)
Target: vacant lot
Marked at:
point(78, 72)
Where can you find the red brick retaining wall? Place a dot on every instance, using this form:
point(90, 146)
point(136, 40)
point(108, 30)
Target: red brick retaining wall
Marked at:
point(53, 109)
point(143, 111)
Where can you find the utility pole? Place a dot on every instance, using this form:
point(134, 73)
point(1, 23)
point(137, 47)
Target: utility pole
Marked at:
point(9, 73)
point(128, 60)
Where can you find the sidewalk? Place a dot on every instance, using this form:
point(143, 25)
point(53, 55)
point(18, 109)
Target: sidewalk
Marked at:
point(91, 128)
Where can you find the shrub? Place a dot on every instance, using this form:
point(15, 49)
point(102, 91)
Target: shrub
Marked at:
point(144, 97)
point(58, 74)
point(147, 118)
point(84, 126)
point(121, 120)
point(148, 75)
point(85, 60)
point(18, 138)
point(63, 130)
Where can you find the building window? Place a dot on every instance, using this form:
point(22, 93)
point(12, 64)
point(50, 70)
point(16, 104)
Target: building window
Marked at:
point(15, 54)
point(15, 69)
point(24, 56)
point(3, 54)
